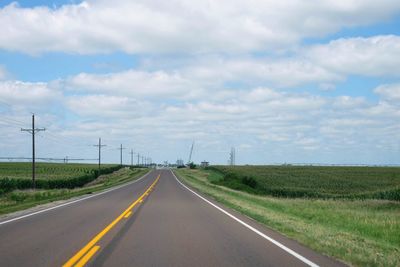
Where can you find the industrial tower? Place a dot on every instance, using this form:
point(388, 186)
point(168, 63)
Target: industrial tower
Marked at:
point(232, 157)
point(190, 154)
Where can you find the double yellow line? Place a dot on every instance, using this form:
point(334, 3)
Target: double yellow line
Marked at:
point(87, 252)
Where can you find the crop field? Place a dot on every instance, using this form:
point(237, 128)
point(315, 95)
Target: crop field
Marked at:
point(45, 170)
point(311, 181)
point(49, 175)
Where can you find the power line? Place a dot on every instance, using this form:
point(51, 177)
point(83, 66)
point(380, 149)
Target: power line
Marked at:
point(66, 138)
point(32, 132)
point(12, 121)
point(60, 136)
point(63, 144)
point(66, 143)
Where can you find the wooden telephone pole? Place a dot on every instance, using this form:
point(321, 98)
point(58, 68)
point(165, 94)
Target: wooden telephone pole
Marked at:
point(32, 131)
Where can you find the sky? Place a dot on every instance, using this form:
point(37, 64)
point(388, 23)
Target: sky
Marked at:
point(290, 81)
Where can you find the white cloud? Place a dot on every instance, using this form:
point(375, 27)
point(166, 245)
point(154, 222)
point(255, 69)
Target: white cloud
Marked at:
point(324, 64)
point(383, 110)
point(308, 143)
point(135, 84)
point(102, 106)
point(389, 92)
point(327, 86)
point(27, 95)
point(373, 56)
point(99, 26)
point(348, 102)
point(199, 77)
point(261, 95)
point(254, 71)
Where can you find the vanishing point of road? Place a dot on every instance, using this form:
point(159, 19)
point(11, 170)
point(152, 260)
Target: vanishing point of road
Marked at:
point(154, 221)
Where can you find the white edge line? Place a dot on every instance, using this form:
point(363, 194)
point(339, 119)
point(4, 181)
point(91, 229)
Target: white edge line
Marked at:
point(288, 250)
point(72, 202)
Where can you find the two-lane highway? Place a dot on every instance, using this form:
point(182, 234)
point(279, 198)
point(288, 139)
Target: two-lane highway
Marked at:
point(155, 221)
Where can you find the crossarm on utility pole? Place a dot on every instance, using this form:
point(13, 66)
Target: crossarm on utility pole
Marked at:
point(32, 131)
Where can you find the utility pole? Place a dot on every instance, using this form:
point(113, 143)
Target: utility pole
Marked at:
point(121, 148)
point(99, 146)
point(131, 157)
point(32, 132)
point(138, 156)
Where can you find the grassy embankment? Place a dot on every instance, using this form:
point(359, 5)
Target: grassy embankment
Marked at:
point(360, 232)
point(19, 199)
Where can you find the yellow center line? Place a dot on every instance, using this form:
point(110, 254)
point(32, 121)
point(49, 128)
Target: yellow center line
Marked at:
point(128, 214)
point(92, 242)
point(87, 257)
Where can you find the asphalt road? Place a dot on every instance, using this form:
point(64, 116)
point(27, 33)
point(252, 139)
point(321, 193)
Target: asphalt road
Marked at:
point(155, 221)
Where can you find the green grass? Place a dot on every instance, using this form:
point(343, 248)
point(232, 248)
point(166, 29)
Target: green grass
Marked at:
point(358, 232)
point(23, 199)
point(23, 170)
point(315, 182)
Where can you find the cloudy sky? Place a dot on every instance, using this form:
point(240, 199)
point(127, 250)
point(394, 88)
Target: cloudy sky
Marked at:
point(293, 81)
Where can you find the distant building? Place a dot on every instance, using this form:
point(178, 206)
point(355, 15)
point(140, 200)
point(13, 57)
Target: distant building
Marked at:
point(179, 162)
point(205, 164)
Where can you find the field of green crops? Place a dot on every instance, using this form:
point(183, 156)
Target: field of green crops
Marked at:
point(49, 176)
point(312, 181)
point(23, 170)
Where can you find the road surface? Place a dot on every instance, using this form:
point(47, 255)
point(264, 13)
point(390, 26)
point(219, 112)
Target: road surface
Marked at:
point(155, 221)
